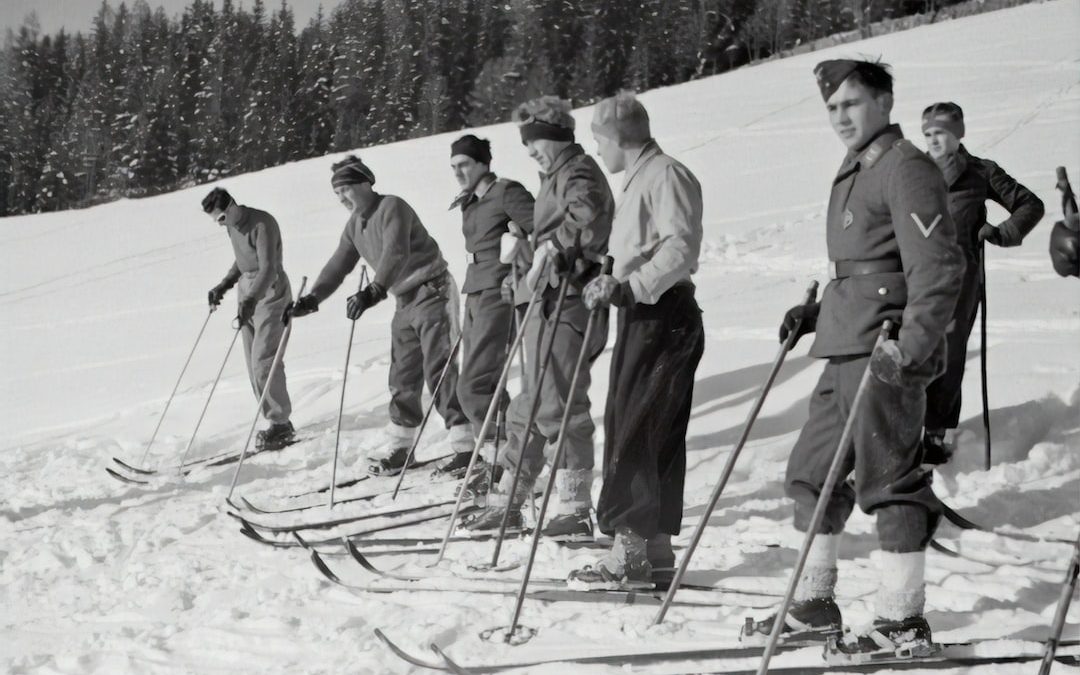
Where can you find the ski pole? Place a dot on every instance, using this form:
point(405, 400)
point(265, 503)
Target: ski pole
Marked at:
point(161, 418)
point(982, 352)
point(808, 298)
point(500, 419)
point(556, 460)
point(341, 405)
point(213, 387)
point(427, 413)
point(266, 389)
point(488, 417)
point(1068, 587)
point(819, 509)
point(533, 411)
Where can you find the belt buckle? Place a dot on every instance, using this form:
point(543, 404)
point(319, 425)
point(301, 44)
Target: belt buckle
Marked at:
point(832, 269)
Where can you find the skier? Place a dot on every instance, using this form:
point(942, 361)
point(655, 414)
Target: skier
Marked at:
point(893, 255)
point(574, 207)
point(488, 206)
point(263, 295)
point(971, 180)
point(655, 242)
point(385, 231)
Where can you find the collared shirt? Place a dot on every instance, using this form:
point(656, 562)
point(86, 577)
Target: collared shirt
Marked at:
point(389, 235)
point(256, 242)
point(657, 232)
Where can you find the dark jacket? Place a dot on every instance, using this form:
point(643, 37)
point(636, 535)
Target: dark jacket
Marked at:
point(574, 197)
point(888, 202)
point(973, 180)
point(484, 221)
point(391, 238)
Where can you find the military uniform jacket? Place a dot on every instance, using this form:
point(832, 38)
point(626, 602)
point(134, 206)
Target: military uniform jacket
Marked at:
point(256, 242)
point(390, 236)
point(889, 202)
point(973, 180)
point(574, 198)
point(484, 221)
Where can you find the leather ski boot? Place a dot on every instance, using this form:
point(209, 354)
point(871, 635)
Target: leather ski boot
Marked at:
point(812, 619)
point(275, 437)
point(624, 566)
point(887, 638)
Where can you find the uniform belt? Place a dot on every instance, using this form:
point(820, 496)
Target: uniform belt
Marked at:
point(840, 269)
point(486, 255)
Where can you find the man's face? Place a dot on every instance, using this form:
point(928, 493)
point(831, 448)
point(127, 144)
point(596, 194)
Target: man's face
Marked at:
point(224, 216)
point(610, 153)
point(467, 171)
point(544, 152)
point(856, 114)
point(347, 195)
point(940, 143)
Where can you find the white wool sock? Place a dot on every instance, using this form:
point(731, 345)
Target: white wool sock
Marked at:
point(902, 592)
point(818, 579)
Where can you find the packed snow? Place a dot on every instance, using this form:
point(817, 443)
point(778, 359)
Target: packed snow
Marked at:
point(101, 307)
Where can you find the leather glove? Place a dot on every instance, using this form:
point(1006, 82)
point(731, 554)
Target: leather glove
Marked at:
point(216, 294)
point(606, 290)
point(247, 310)
point(304, 305)
point(808, 313)
point(1003, 235)
point(361, 302)
point(1065, 249)
point(886, 363)
point(506, 290)
point(543, 253)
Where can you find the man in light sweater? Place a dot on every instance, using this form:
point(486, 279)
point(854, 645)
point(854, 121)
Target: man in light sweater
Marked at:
point(655, 242)
point(386, 232)
point(263, 294)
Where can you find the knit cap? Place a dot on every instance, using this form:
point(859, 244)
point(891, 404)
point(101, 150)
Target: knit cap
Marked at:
point(547, 117)
point(351, 171)
point(947, 116)
point(471, 146)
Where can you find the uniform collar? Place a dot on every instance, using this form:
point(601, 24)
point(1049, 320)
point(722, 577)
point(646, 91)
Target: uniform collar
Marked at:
point(878, 146)
point(645, 153)
point(569, 152)
point(464, 198)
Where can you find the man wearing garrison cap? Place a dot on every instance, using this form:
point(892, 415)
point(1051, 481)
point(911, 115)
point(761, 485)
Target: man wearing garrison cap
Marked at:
point(386, 232)
point(893, 255)
point(263, 294)
point(490, 207)
point(573, 209)
point(972, 181)
point(655, 242)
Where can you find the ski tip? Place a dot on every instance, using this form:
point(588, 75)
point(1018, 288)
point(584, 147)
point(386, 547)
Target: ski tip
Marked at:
point(300, 540)
point(132, 468)
point(125, 479)
point(450, 663)
point(359, 557)
point(251, 507)
point(406, 656)
point(323, 569)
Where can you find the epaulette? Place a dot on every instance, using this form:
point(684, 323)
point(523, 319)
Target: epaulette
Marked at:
point(907, 148)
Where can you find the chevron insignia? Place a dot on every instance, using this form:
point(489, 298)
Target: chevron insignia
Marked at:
point(923, 228)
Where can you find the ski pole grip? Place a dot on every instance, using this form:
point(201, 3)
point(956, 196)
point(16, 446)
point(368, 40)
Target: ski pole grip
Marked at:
point(303, 285)
point(608, 264)
point(1062, 177)
point(811, 293)
point(883, 334)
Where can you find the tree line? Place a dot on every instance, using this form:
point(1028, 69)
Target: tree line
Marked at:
point(146, 103)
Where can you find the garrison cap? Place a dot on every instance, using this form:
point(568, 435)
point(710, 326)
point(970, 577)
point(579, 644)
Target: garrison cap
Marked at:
point(832, 73)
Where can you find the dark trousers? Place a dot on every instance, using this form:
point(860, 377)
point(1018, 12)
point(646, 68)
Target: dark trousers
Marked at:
point(421, 337)
point(943, 394)
point(887, 455)
point(651, 388)
point(486, 330)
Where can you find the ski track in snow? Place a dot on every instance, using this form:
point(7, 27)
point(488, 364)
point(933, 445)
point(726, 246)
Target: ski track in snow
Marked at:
point(100, 577)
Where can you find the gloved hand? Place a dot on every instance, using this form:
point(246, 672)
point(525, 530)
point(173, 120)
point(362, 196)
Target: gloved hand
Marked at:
point(886, 363)
point(1003, 235)
point(361, 302)
point(1065, 248)
point(247, 310)
point(304, 305)
point(506, 290)
point(606, 290)
point(216, 294)
point(808, 313)
point(541, 262)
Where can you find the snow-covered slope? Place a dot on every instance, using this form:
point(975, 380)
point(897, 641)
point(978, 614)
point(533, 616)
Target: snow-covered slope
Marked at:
point(101, 307)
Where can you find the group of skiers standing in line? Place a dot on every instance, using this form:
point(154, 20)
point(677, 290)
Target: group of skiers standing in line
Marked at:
point(904, 232)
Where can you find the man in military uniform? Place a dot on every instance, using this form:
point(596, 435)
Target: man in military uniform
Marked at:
point(488, 205)
point(573, 208)
point(263, 294)
point(893, 255)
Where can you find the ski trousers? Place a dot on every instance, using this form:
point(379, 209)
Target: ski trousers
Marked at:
point(261, 337)
point(486, 329)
